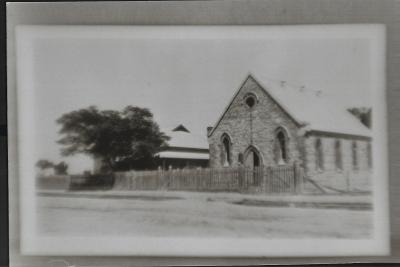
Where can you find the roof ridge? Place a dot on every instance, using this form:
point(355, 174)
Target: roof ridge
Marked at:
point(305, 110)
point(290, 85)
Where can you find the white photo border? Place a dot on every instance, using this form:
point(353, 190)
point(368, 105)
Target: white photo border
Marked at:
point(33, 244)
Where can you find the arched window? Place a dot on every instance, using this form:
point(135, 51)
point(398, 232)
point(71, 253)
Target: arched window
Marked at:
point(281, 144)
point(354, 155)
point(369, 154)
point(319, 157)
point(226, 145)
point(338, 155)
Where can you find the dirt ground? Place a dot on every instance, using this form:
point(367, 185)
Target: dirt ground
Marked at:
point(184, 214)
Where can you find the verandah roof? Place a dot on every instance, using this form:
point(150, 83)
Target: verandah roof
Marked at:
point(183, 155)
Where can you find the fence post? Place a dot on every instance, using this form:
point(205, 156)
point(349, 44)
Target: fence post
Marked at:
point(295, 177)
point(262, 182)
point(159, 180)
point(266, 179)
point(167, 175)
point(241, 178)
point(299, 179)
point(348, 181)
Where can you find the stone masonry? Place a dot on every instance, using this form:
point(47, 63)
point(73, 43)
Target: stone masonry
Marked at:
point(254, 127)
point(257, 126)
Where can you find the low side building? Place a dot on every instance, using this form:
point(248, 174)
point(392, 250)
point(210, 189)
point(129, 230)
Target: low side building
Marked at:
point(184, 150)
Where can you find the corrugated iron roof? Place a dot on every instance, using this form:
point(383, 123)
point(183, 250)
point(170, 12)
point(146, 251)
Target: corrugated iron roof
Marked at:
point(186, 139)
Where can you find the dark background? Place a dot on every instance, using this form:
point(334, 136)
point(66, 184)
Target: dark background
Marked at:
point(245, 12)
point(3, 142)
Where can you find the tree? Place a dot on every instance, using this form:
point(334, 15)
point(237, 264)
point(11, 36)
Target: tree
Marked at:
point(123, 140)
point(363, 114)
point(44, 164)
point(61, 168)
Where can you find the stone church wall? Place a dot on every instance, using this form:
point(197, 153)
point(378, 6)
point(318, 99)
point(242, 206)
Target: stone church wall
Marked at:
point(257, 127)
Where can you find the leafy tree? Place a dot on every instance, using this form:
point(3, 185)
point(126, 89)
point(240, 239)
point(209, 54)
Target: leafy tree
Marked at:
point(61, 168)
point(44, 164)
point(123, 140)
point(363, 114)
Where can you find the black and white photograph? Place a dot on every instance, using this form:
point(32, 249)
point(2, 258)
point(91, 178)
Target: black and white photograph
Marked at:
point(202, 140)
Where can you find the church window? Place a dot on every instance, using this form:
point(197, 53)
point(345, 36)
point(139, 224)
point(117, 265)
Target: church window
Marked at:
point(250, 100)
point(369, 154)
point(319, 156)
point(338, 155)
point(281, 142)
point(226, 144)
point(354, 155)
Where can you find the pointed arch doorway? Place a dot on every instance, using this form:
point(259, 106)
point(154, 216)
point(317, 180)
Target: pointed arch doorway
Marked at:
point(252, 158)
point(253, 162)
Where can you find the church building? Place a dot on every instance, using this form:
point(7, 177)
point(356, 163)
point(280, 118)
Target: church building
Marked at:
point(273, 124)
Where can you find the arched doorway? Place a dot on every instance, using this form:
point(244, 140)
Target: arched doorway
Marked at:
point(252, 158)
point(253, 161)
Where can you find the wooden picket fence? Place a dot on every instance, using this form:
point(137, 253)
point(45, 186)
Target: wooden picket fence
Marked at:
point(279, 179)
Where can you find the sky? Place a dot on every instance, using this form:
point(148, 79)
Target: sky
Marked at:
point(182, 80)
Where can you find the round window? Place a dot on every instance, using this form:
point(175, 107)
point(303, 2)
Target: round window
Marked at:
point(250, 101)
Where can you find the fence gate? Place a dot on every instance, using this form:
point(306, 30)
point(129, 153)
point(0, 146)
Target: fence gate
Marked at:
point(281, 179)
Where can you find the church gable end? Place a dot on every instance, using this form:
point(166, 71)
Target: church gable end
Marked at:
point(251, 120)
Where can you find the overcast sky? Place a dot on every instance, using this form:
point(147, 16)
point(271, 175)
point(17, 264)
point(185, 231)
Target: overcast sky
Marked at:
point(184, 81)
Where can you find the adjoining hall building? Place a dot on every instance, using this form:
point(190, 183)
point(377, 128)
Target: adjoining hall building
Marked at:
point(185, 150)
point(271, 123)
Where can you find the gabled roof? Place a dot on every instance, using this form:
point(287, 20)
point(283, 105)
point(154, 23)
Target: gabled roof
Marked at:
point(183, 138)
point(180, 128)
point(310, 109)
